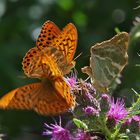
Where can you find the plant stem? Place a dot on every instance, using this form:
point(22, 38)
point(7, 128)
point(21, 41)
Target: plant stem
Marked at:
point(104, 129)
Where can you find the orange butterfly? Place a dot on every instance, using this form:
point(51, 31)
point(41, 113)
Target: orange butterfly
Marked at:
point(49, 61)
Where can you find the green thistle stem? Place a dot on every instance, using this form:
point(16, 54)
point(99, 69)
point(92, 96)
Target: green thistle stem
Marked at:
point(103, 128)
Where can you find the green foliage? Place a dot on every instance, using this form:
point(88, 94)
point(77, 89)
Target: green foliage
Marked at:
point(135, 109)
point(80, 124)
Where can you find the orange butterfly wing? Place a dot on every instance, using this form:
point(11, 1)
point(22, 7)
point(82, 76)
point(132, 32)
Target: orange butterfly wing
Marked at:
point(19, 98)
point(43, 64)
point(48, 32)
point(43, 98)
point(65, 41)
point(61, 99)
point(31, 61)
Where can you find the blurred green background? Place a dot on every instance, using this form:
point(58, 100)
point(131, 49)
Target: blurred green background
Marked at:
point(20, 23)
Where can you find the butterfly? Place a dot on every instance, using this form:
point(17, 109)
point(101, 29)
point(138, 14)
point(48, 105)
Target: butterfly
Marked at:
point(49, 60)
point(107, 61)
point(61, 43)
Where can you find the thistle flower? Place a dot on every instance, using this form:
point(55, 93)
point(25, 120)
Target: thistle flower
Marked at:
point(82, 135)
point(134, 119)
point(104, 102)
point(57, 132)
point(89, 96)
point(117, 110)
point(105, 97)
point(87, 87)
point(89, 110)
point(87, 90)
point(133, 124)
point(72, 81)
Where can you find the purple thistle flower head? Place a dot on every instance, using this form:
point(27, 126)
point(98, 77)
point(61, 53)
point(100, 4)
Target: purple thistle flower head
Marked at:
point(72, 81)
point(105, 97)
point(88, 87)
point(87, 90)
point(89, 110)
point(89, 96)
point(117, 110)
point(133, 124)
point(134, 118)
point(57, 132)
point(105, 102)
point(82, 135)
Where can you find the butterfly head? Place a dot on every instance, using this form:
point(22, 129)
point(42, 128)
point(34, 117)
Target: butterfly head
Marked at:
point(67, 68)
point(87, 70)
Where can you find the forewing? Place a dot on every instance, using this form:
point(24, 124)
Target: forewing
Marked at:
point(43, 64)
point(108, 59)
point(31, 61)
point(67, 42)
point(48, 33)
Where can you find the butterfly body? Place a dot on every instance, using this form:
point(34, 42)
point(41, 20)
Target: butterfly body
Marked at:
point(49, 61)
point(107, 61)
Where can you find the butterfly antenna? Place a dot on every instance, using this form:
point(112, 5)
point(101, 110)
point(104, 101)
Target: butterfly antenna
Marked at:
point(78, 55)
point(60, 121)
point(75, 72)
point(22, 76)
point(134, 91)
point(87, 78)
